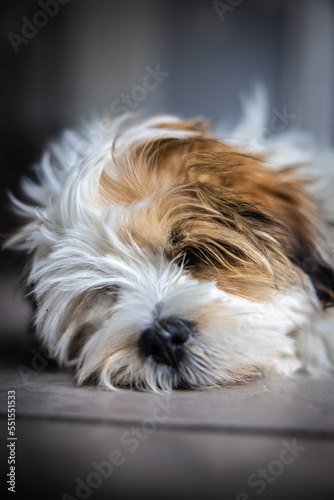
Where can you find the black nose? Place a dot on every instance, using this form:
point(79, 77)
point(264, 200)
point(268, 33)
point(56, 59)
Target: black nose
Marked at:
point(166, 339)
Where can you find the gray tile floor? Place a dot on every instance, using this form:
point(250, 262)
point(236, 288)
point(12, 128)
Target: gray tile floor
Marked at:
point(269, 439)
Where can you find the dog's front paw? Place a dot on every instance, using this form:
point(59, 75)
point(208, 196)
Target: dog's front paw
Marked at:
point(285, 366)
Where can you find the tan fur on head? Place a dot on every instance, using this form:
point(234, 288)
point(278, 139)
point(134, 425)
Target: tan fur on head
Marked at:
point(244, 224)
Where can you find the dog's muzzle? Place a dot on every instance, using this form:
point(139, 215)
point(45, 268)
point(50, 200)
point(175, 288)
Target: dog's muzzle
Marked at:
point(165, 341)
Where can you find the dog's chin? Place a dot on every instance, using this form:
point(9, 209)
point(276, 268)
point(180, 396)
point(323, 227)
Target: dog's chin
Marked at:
point(193, 372)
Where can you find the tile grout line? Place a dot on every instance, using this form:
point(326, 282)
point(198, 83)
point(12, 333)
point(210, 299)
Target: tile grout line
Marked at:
point(320, 434)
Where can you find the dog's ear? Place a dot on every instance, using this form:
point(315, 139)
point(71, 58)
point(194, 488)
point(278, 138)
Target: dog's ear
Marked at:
point(304, 240)
point(322, 277)
point(280, 195)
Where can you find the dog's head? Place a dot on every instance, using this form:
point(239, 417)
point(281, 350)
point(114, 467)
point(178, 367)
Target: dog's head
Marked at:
point(165, 258)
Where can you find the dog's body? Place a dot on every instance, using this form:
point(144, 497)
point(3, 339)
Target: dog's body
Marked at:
point(163, 256)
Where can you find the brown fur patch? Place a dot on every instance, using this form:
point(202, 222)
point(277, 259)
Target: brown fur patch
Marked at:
point(224, 212)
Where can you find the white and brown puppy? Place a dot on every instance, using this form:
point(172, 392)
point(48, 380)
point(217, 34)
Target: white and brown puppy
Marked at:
point(165, 256)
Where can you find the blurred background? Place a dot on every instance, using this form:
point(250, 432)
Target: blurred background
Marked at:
point(63, 61)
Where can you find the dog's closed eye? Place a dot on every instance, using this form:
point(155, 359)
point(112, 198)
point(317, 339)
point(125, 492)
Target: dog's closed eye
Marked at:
point(192, 257)
point(109, 289)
